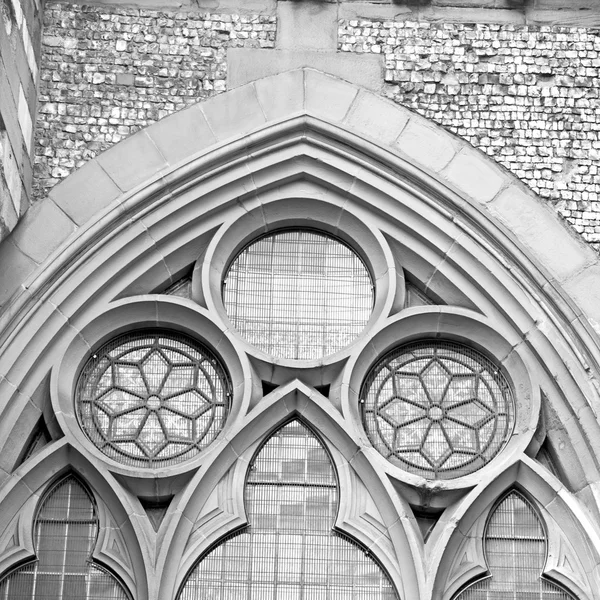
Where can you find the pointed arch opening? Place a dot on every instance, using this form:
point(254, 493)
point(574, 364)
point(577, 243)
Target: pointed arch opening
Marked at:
point(516, 547)
point(65, 532)
point(289, 548)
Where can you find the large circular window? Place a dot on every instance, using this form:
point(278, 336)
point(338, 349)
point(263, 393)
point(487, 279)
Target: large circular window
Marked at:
point(152, 398)
point(437, 409)
point(298, 294)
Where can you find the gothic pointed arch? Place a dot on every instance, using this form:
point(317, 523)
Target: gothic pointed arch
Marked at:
point(515, 546)
point(141, 239)
point(289, 546)
point(65, 533)
point(556, 516)
point(368, 509)
point(116, 537)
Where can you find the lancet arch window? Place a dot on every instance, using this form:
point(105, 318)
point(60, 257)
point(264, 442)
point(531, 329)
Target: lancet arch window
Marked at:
point(65, 531)
point(515, 546)
point(289, 548)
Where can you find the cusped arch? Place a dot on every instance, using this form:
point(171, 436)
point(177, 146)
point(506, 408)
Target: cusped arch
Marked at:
point(294, 401)
point(456, 544)
point(117, 545)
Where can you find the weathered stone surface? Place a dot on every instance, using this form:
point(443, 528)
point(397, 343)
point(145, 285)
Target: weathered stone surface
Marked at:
point(327, 97)
point(44, 228)
point(423, 144)
point(473, 174)
point(529, 96)
point(19, 46)
point(286, 98)
point(86, 192)
point(526, 95)
point(133, 161)
point(535, 226)
point(236, 115)
point(377, 118)
point(126, 68)
point(182, 134)
point(584, 289)
point(15, 267)
point(246, 65)
point(296, 26)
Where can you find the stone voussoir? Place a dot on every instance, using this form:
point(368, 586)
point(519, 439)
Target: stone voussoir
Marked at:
point(327, 97)
point(429, 146)
point(133, 161)
point(85, 192)
point(377, 118)
point(541, 232)
point(42, 230)
point(472, 173)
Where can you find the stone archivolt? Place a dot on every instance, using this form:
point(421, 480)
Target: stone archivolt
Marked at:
point(97, 255)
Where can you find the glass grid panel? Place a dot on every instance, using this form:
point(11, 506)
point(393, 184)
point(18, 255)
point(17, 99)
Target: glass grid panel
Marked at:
point(65, 531)
point(437, 409)
point(515, 548)
point(298, 294)
point(289, 551)
point(153, 398)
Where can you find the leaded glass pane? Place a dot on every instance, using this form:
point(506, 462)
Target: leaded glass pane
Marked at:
point(515, 550)
point(437, 409)
point(289, 550)
point(298, 294)
point(153, 398)
point(65, 532)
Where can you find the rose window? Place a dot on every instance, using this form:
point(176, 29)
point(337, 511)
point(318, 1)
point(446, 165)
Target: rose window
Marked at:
point(153, 398)
point(437, 409)
point(298, 294)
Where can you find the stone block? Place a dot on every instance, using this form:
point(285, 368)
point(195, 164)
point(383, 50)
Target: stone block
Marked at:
point(246, 65)
point(10, 170)
point(328, 97)
point(474, 174)
point(15, 268)
point(426, 145)
point(8, 215)
point(542, 232)
point(85, 192)
point(234, 113)
point(584, 288)
point(132, 161)
point(182, 134)
point(281, 95)
point(43, 229)
point(377, 118)
point(296, 28)
point(25, 118)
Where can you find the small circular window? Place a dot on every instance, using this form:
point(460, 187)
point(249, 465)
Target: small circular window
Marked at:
point(152, 398)
point(298, 294)
point(437, 409)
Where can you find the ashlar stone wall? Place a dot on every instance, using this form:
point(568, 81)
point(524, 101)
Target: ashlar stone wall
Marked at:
point(529, 96)
point(109, 71)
